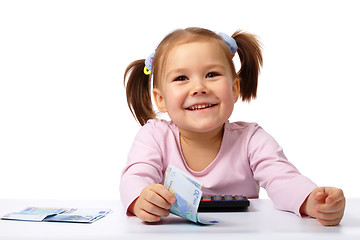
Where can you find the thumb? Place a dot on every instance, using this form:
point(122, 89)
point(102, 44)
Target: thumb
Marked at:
point(320, 195)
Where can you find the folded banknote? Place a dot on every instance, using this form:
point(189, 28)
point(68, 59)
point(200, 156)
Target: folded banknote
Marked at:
point(74, 215)
point(187, 191)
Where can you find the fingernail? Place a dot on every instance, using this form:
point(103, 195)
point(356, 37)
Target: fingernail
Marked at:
point(172, 200)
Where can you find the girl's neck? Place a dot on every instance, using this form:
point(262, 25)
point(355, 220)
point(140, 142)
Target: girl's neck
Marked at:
point(199, 138)
point(200, 149)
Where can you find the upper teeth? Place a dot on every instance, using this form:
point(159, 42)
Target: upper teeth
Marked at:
point(201, 106)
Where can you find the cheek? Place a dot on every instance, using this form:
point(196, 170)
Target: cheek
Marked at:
point(227, 98)
point(173, 98)
point(226, 93)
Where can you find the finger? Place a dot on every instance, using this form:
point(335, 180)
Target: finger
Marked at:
point(330, 222)
point(155, 210)
point(329, 216)
point(334, 195)
point(155, 199)
point(320, 194)
point(331, 208)
point(164, 193)
point(148, 217)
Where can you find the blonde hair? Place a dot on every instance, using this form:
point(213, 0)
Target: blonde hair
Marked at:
point(138, 84)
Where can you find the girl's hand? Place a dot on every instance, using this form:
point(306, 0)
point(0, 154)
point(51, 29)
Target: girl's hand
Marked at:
point(326, 204)
point(154, 202)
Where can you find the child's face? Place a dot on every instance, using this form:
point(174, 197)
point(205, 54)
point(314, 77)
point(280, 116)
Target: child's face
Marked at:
point(197, 87)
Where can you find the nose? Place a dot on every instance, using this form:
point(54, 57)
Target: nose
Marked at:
point(194, 93)
point(198, 88)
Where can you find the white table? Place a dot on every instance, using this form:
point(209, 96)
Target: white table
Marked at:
point(261, 221)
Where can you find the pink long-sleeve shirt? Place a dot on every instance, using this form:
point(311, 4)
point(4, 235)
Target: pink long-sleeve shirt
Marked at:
point(248, 158)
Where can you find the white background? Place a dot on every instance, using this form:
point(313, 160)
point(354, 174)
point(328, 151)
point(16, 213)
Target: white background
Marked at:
point(65, 128)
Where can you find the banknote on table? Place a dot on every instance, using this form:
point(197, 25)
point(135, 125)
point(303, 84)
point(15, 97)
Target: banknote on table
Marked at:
point(33, 214)
point(82, 215)
point(187, 191)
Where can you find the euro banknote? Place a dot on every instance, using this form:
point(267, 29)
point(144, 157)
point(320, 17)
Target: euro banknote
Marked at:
point(187, 191)
point(75, 215)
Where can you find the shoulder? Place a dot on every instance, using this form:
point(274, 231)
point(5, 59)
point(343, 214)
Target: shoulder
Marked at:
point(157, 130)
point(239, 134)
point(253, 136)
point(152, 139)
point(247, 132)
point(241, 128)
point(159, 126)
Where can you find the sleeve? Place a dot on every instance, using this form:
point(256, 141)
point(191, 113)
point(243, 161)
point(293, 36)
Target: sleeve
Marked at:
point(144, 165)
point(285, 185)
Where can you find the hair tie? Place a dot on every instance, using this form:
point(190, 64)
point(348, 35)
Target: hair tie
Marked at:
point(149, 64)
point(230, 42)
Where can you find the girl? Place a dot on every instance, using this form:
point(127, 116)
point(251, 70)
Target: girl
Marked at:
point(195, 82)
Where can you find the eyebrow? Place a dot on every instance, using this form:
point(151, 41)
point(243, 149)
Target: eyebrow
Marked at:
point(181, 70)
point(176, 70)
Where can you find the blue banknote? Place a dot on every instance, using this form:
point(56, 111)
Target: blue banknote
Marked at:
point(81, 215)
point(187, 191)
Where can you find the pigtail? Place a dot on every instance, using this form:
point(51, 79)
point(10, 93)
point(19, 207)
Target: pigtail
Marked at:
point(249, 51)
point(138, 94)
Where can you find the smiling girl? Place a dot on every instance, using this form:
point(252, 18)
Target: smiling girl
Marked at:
point(194, 81)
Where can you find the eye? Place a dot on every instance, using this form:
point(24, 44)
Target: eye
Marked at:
point(181, 78)
point(212, 74)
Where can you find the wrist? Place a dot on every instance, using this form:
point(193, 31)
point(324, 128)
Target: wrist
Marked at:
point(130, 210)
point(305, 208)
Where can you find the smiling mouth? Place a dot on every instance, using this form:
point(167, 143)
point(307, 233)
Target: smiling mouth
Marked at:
point(200, 107)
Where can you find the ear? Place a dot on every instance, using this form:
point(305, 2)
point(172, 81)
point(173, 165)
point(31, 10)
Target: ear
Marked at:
point(236, 89)
point(159, 100)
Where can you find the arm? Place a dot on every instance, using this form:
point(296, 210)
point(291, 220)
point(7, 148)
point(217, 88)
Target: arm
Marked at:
point(288, 189)
point(326, 204)
point(141, 191)
point(285, 185)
